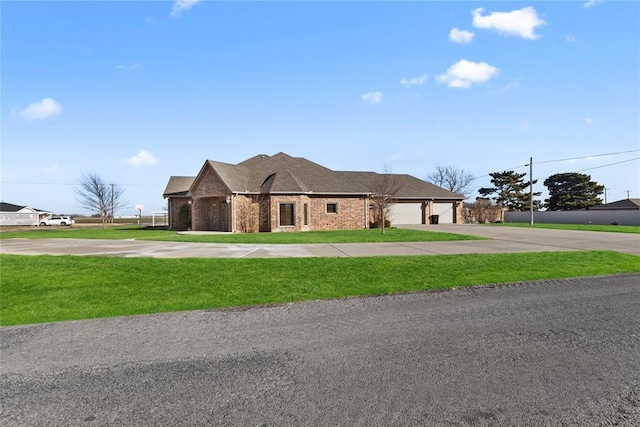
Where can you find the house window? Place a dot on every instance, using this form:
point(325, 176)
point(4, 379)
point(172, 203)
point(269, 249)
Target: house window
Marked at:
point(306, 214)
point(332, 208)
point(287, 217)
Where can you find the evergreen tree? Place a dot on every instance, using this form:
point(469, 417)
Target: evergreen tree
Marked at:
point(510, 190)
point(572, 191)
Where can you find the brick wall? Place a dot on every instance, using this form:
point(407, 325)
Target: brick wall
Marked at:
point(247, 213)
point(209, 210)
point(351, 213)
point(210, 185)
point(174, 204)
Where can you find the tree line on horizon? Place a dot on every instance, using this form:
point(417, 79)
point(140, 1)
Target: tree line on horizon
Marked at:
point(568, 191)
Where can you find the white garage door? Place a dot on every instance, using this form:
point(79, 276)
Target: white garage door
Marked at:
point(406, 213)
point(444, 212)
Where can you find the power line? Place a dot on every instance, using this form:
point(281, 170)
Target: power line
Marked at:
point(572, 158)
point(610, 164)
point(587, 157)
point(601, 166)
point(508, 169)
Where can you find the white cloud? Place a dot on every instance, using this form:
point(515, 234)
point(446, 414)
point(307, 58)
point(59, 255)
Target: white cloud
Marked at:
point(143, 158)
point(591, 3)
point(465, 73)
point(522, 22)
point(50, 168)
point(461, 36)
point(588, 120)
point(570, 38)
point(39, 110)
point(510, 86)
point(372, 98)
point(413, 81)
point(181, 5)
point(395, 157)
point(127, 66)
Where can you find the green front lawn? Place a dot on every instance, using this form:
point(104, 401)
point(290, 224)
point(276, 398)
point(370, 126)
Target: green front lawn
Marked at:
point(337, 236)
point(39, 289)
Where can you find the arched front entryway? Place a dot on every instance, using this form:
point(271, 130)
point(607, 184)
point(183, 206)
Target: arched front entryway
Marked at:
point(210, 214)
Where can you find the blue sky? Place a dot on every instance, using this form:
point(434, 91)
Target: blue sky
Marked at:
point(139, 91)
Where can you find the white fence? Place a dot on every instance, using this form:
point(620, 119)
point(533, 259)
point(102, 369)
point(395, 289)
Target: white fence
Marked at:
point(19, 218)
point(599, 217)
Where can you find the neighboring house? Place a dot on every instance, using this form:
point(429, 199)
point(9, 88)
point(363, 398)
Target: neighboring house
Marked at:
point(11, 214)
point(626, 204)
point(284, 193)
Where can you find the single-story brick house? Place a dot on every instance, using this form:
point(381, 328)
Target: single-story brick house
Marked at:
point(284, 193)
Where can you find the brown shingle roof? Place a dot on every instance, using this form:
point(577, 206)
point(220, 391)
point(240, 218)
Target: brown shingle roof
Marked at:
point(633, 204)
point(282, 173)
point(178, 186)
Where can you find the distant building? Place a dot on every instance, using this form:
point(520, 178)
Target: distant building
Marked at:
point(11, 214)
point(626, 204)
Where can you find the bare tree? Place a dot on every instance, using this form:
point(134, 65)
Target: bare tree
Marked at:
point(452, 179)
point(99, 197)
point(383, 190)
point(248, 212)
point(483, 211)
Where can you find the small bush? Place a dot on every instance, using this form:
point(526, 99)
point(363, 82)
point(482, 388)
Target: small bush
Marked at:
point(376, 224)
point(184, 217)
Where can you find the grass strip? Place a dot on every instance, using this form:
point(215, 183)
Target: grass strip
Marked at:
point(36, 289)
point(330, 236)
point(633, 229)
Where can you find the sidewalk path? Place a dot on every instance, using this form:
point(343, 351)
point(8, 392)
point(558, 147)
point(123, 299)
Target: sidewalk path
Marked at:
point(504, 240)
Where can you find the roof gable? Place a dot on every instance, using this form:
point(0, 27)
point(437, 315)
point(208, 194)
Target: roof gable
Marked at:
point(178, 186)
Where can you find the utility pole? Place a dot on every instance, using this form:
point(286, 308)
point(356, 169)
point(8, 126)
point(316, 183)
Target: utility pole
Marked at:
point(112, 185)
point(531, 191)
point(605, 195)
point(628, 191)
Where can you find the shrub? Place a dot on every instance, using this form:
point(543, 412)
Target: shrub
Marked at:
point(376, 224)
point(184, 217)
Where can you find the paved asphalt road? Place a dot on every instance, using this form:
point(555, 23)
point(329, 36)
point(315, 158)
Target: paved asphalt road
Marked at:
point(504, 239)
point(564, 352)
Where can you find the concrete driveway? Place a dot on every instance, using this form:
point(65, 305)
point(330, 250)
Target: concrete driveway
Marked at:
point(503, 240)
